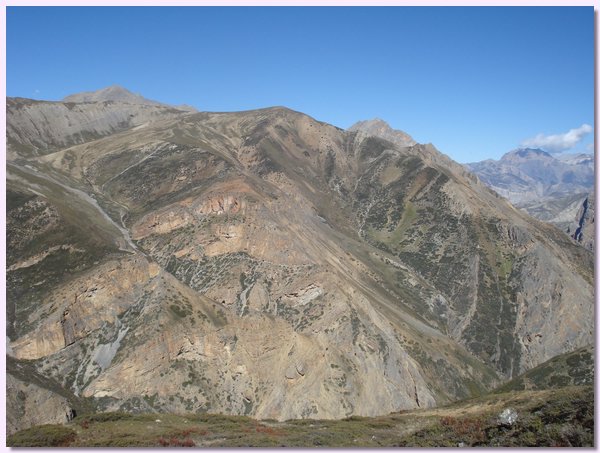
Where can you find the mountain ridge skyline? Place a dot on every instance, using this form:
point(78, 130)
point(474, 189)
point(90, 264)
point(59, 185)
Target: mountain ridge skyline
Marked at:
point(117, 92)
point(479, 105)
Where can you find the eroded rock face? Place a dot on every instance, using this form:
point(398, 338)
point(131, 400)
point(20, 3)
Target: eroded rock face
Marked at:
point(540, 302)
point(186, 212)
point(583, 229)
point(29, 405)
point(282, 268)
point(33, 399)
point(82, 306)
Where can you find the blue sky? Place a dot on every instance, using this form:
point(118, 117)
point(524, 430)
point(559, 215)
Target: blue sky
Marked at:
point(475, 82)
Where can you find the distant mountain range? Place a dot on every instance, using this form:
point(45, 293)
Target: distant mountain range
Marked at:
point(549, 187)
point(526, 175)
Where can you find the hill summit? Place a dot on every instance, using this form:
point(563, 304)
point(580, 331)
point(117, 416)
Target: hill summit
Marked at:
point(117, 93)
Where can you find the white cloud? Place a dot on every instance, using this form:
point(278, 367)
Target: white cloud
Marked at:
point(559, 142)
point(590, 147)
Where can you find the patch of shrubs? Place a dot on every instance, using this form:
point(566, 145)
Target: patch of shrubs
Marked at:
point(176, 442)
point(43, 436)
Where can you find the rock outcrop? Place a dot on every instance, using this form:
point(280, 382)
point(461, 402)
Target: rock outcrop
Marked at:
point(583, 229)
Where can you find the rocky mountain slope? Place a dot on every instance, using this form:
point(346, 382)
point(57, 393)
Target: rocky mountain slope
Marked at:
point(552, 189)
point(42, 127)
point(583, 228)
point(33, 399)
point(571, 369)
point(268, 264)
point(380, 128)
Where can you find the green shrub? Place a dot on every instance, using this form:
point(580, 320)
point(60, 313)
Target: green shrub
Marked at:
point(180, 312)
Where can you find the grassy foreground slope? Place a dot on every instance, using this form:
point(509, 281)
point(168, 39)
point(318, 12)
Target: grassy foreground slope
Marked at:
point(556, 417)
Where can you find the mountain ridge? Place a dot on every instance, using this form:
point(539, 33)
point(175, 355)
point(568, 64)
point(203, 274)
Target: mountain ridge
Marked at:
point(118, 93)
point(280, 267)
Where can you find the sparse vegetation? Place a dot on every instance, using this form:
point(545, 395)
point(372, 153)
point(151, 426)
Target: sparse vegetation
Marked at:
point(43, 436)
point(178, 311)
point(576, 368)
point(559, 417)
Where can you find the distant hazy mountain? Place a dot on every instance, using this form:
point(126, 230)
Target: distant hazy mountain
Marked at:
point(111, 93)
point(577, 159)
point(527, 174)
point(119, 94)
point(550, 188)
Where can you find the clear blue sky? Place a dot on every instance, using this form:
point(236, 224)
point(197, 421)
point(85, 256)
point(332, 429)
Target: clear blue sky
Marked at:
point(475, 82)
